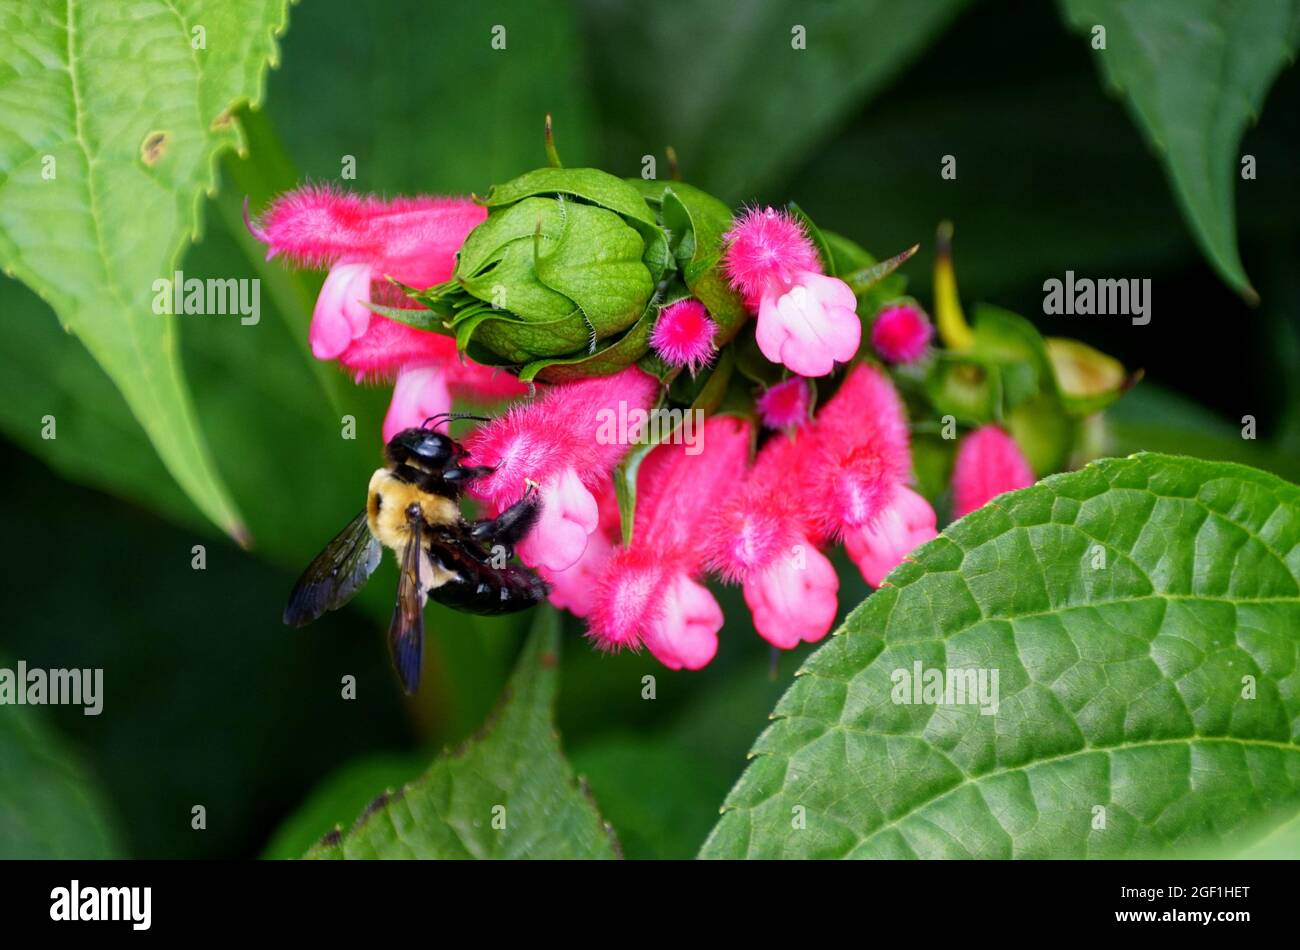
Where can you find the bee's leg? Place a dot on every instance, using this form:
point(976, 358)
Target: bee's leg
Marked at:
point(508, 528)
point(460, 475)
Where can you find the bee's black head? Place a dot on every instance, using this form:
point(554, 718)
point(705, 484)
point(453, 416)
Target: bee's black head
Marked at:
point(430, 448)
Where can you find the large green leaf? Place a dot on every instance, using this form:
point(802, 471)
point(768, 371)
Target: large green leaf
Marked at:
point(509, 793)
point(723, 83)
point(49, 805)
point(1122, 683)
point(110, 119)
point(1195, 72)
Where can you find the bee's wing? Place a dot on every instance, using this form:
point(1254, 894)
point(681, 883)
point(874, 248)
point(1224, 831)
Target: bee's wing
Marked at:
point(406, 632)
point(336, 575)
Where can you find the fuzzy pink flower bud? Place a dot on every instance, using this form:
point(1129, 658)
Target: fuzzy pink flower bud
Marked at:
point(683, 334)
point(988, 463)
point(879, 547)
point(363, 239)
point(785, 405)
point(806, 320)
point(560, 441)
point(766, 516)
point(861, 452)
point(901, 333)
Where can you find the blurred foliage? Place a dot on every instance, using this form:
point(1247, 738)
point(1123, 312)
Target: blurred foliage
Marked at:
point(775, 75)
point(211, 701)
point(1194, 74)
point(50, 805)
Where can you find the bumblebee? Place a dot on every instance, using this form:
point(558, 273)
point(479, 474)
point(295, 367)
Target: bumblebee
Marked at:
point(413, 508)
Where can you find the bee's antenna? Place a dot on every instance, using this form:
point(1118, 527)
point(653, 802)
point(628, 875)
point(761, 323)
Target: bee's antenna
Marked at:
point(436, 420)
point(452, 417)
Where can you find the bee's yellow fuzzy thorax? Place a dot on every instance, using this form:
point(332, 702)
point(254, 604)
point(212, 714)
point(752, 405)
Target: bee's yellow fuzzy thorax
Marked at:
point(387, 500)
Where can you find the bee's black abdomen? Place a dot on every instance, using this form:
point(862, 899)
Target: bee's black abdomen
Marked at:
point(482, 589)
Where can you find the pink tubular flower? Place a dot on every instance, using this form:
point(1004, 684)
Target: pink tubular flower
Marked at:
point(794, 600)
point(648, 594)
point(574, 588)
point(878, 548)
point(566, 440)
point(684, 632)
point(785, 405)
point(420, 392)
point(683, 334)
point(763, 536)
point(988, 463)
point(858, 479)
point(861, 451)
point(363, 241)
point(806, 320)
point(901, 333)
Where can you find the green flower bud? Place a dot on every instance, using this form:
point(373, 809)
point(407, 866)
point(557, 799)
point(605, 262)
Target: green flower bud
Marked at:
point(565, 265)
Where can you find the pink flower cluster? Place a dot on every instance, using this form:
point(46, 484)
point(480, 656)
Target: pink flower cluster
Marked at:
point(842, 476)
point(703, 506)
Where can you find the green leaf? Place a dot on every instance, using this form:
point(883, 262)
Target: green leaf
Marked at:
point(339, 798)
point(1195, 73)
point(513, 774)
point(49, 805)
point(876, 279)
point(44, 371)
point(111, 121)
point(1122, 683)
point(874, 283)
